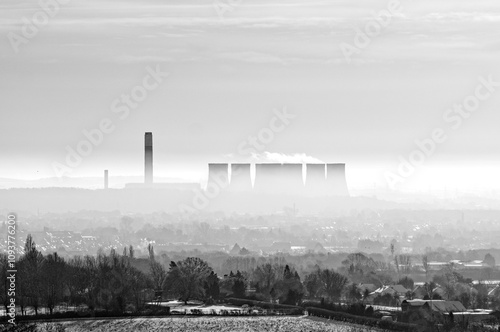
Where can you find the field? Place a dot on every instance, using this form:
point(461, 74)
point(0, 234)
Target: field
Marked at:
point(202, 324)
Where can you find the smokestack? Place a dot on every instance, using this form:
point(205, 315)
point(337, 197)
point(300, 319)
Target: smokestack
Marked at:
point(148, 158)
point(240, 178)
point(105, 179)
point(218, 175)
point(316, 179)
point(337, 183)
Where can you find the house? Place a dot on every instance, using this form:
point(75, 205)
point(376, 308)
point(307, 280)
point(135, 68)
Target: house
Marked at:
point(420, 290)
point(486, 282)
point(470, 265)
point(477, 264)
point(369, 287)
point(440, 306)
point(422, 311)
point(400, 289)
point(393, 290)
point(439, 291)
point(437, 266)
point(493, 291)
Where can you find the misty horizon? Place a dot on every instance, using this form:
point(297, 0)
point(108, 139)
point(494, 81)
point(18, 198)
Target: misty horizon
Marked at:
point(184, 49)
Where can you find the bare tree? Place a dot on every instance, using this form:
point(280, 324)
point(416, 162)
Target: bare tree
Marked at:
point(90, 281)
point(53, 280)
point(266, 276)
point(312, 284)
point(332, 283)
point(189, 277)
point(158, 274)
point(137, 282)
point(353, 293)
point(405, 263)
point(4, 284)
point(158, 277)
point(30, 266)
point(75, 280)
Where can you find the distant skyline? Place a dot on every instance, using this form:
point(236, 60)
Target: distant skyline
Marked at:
point(227, 77)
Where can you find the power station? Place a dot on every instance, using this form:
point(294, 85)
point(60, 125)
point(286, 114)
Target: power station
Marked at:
point(270, 178)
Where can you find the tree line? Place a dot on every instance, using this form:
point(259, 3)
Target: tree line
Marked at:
point(123, 283)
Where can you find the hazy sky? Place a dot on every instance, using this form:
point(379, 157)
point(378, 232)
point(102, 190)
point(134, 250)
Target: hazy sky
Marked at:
point(227, 74)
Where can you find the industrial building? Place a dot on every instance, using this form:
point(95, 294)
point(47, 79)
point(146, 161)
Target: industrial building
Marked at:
point(312, 180)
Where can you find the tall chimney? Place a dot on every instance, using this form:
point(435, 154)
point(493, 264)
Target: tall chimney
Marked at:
point(105, 179)
point(148, 158)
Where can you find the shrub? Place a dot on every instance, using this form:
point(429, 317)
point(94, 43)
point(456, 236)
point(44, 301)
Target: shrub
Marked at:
point(257, 297)
point(324, 305)
point(357, 309)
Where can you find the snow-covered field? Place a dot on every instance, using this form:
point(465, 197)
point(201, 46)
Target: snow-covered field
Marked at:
point(202, 324)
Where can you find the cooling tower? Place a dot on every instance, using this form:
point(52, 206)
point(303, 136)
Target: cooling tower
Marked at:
point(337, 184)
point(266, 176)
point(316, 179)
point(240, 178)
point(148, 158)
point(218, 175)
point(290, 179)
point(279, 178)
